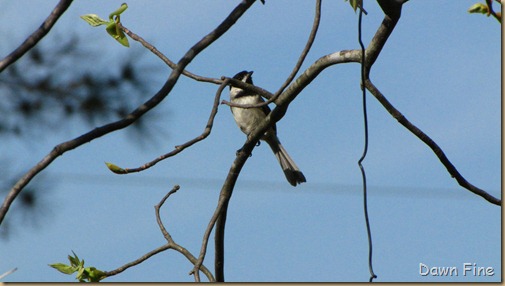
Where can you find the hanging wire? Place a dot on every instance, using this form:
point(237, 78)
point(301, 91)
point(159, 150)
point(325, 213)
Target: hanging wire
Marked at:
point(365, 204)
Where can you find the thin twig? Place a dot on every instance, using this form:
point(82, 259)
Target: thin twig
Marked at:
point(157, 208)
point(2, 276)
point(180, 148)
point(138, 261)
point(37, 35)
point(171, 241)
point(306, 49)
point(164, 58)
point(170, 245)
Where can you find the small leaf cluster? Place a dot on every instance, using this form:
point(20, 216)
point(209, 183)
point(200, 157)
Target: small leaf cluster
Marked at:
point(111, 26)
point(84, 274)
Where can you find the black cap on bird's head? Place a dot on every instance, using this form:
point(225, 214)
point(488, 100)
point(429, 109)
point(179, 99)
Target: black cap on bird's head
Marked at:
point(244, 76)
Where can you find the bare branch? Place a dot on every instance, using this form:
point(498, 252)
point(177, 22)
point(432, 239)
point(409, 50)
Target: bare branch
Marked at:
point(219, 216)
point(428, 141)
point(138, 261)
point(172, 243)
point(180, 148)
point(36, 36)
point(392, 9)
point(164, 58)
point(303, 55)
point(134, 115)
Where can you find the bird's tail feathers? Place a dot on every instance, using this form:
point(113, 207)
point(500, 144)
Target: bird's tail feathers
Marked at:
point(289, 167)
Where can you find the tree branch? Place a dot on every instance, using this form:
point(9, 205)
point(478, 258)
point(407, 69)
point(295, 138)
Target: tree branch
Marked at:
point(170, 240)
point(392, 9)
point(36, 36)
point(164, 58)
point(134, 115)
point(180, 148)
point(170, 245)
point(138, 261)
point(428, 141)
point(306, 49)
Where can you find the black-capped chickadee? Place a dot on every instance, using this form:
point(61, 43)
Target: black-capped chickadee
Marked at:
point(248, 118)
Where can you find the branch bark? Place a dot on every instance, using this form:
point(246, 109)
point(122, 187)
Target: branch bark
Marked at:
point(428, 141)
point(36, 36)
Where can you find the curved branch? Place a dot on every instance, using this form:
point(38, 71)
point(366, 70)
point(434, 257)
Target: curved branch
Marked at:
point(180, 148)
point(134, 115)
point(171, 241)
point(308, 45)
point(170, 245)
point(138, 261)
point(428, 141)
point(392, 9)
point(36, 36)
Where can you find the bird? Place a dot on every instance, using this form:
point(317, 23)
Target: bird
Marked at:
point(248, 118)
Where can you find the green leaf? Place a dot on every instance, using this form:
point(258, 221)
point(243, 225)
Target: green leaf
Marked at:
point(117, 34)
point(63, 268)
point(74, 261)
point(79, 274)
point(479, 8)
point(115, 169)
point(94, 20)
point(111, 26)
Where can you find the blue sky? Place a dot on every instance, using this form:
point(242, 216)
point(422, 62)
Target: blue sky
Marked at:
point(440, 68)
